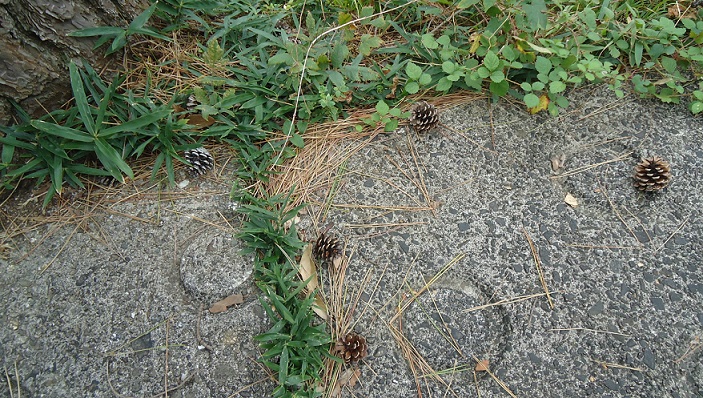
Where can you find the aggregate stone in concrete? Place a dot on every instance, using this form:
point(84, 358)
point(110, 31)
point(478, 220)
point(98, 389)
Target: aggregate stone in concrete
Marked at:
point(623, 268)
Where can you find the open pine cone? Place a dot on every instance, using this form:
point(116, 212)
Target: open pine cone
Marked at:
point(652, 174)
point(351, 348)
point(201, 161)
point(423, 116)
point(327, 248)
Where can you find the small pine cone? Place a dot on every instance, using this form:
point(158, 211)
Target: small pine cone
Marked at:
point(327, 248)
point(423, 116)
point(201, 161)
point(352, 348)
point(192, 102)
point(652, 174)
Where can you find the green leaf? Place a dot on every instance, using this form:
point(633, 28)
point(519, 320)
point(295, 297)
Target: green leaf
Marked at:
point(696, 107)
point(412, 87)
point(531, 100)
point(382, 108)
point(391, 125)
point(339, 53)
point(81, 99)
point(543, 65)
point(669, 64)
point(536, 13)
point(499, 89)
point(413, 71)
point(491, 61)
point(281, 58)
point(135, 124)
point(62, 131)
point(297, 140)
point(557, 87)
point(497, 76)
point(429, 41)
point(443, 84)
point(638, 53)
point(449, 67)
point(425, 79)
point(142, 18)
point(368, 43)
point(112, 160)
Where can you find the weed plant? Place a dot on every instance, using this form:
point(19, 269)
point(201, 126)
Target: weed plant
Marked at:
point(264, 70)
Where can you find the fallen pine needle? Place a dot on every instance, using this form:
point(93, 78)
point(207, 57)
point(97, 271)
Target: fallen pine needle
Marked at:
point(538, 264)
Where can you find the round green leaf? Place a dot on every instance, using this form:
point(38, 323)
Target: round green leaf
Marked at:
point(382, 108)
point(497, 76)
point(412, 87)
point(531, 100)
point(413, 71)
point(557, 87)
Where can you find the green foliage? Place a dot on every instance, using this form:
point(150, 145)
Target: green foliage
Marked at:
point(120, 36)
point(295, 346)
point(61, 145)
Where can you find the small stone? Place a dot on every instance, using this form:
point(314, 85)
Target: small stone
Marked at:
point(658, 303)
point(649, 358)
point(596, 309)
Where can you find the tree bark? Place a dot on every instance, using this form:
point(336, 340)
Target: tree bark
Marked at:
point(35, 47)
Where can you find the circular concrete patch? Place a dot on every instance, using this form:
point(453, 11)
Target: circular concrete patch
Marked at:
point(213, 268)
point(448, 335)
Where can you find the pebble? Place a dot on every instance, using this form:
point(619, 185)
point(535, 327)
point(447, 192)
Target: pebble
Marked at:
point(596, 309)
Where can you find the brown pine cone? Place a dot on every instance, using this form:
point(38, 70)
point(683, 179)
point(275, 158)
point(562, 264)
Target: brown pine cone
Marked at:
point(352, 348)
point(652, 174)
point(327, 248)
point(423, 116)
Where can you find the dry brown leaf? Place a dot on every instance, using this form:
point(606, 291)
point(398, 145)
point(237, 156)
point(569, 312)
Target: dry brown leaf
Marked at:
point(307, 270)
point(199, 121)
point(481, 366)
point(222, 305)
point(571, 200)
point(320, 307)
point(348, 378)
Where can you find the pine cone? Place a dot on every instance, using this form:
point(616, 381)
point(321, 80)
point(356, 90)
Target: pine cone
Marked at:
point(652, 174)
point(423, 116)
point(201, 161)
point(352, 348)
point(327, 248)
point(192, 103)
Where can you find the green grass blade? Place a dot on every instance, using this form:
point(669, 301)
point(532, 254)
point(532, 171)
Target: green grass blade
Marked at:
point(61, 131)
point(142, 18)
point(135, 124)
point(80, 97)
point(111, 159)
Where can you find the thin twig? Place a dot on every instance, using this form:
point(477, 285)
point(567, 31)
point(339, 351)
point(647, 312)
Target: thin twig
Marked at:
point(589, 330)
point(590, 166)
point(672, 235)
point(538, 264)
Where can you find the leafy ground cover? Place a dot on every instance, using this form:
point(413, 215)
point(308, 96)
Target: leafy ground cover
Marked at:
point(259, 74)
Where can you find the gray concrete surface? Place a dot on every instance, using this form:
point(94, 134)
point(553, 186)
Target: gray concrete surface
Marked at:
point(624, 269)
